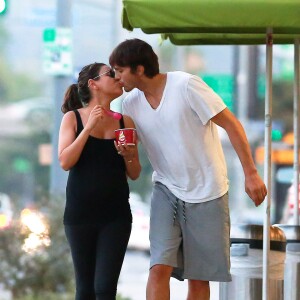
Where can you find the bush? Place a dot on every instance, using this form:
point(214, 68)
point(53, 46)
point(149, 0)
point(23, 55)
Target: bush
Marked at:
point(57, 297)
point(37, 273)
point(45, 273)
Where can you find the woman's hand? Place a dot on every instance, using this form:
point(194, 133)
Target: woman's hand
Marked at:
point(127, 151)
point(96, 114)
point(130, 153)
point(131, 158)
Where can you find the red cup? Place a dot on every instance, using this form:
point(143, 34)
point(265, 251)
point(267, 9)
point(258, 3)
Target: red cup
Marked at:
point(126, 135)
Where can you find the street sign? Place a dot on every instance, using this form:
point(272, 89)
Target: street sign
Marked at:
point(21, 165)
point(3, 7)
point(223, 85)
point(285, 59)
point(57, 56)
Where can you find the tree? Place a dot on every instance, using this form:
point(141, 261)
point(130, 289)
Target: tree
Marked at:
point(46, 270)
point(19, 159)
point(14, 86)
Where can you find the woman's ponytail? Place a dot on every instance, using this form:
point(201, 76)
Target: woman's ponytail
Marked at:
point(79, 95)
point(71, 100)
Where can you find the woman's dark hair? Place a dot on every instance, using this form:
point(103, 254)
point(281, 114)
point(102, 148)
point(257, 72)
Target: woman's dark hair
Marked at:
point(134, 52)
point(79, 94)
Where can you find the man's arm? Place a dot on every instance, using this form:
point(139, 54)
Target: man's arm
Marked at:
point(254, 186)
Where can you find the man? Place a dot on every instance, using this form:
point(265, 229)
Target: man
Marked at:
point(176, 116)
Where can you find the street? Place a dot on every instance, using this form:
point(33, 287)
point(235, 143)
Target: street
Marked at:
point(134, 274)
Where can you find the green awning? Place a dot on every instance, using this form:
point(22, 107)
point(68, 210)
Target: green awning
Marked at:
point(227, 38)
point(212, 16)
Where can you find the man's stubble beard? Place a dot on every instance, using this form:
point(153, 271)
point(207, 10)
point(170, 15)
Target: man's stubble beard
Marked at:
point(127, 89)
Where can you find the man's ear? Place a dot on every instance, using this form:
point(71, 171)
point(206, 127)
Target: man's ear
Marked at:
point(140, 70)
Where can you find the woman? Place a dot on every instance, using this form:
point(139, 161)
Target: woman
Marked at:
point(97, 215)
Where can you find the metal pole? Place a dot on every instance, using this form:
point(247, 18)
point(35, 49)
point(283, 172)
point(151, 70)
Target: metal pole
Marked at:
point(243, 85)
point(58, 176)
point(116, 20)
point(235, 71)
point(242, 101)
point(296, 131)
point(267, 164)
point(252, 85)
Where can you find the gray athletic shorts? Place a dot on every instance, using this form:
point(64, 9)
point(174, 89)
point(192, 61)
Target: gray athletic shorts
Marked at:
point(194, 238)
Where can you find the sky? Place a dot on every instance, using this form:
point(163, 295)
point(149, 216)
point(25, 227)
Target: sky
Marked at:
point(96, 27)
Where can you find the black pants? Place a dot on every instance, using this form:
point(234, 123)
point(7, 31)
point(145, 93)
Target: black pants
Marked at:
point(98, 252)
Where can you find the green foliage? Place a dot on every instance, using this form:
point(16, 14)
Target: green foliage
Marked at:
point(48, 270)
point(46, 274)
point(12, 181)
point(13, 85)
point(51, 296)
point(120, 297)
point(3, 38)
point(48, 296)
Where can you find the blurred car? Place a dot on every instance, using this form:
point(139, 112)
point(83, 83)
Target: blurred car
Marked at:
point(33, 112)
point(139, 238)
point(285, 176)
point(289, 210)
point(6, 211)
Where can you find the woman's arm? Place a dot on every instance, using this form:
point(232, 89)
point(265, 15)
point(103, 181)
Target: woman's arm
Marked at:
point(70, 147)
point(133, 166)
point(130, 154)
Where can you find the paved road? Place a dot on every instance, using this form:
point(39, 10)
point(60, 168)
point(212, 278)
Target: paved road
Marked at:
point(134, 276)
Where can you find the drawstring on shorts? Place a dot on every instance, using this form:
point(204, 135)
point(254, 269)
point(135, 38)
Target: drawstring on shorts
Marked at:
point(183, 212)
point(175, 211)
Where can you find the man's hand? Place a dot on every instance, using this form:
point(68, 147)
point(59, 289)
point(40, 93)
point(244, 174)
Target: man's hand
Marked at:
point(255, 188)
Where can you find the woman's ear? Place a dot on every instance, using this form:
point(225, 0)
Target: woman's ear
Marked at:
point(92, 85)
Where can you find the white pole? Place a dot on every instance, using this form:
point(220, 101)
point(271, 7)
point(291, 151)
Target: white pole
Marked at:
point(58, 177)
point(267, 163)
point(296, 131)
point(243, 86)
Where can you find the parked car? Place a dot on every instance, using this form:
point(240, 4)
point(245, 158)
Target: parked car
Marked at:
point(6, 211)
point(289, 210)
point(34, 112)
point(139, 238)
point(285, 176)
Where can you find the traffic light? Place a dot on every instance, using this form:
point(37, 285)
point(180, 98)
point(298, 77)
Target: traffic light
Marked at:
point(276, 135)
point(3, 6)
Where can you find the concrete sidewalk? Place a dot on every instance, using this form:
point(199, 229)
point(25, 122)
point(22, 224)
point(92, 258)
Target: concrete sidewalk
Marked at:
point(134, 275)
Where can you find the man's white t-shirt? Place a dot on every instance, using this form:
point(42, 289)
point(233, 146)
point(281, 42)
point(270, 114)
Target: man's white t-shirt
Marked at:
point(181, 142)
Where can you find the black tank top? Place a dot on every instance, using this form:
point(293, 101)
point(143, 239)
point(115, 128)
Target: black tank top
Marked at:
point(97, 189)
